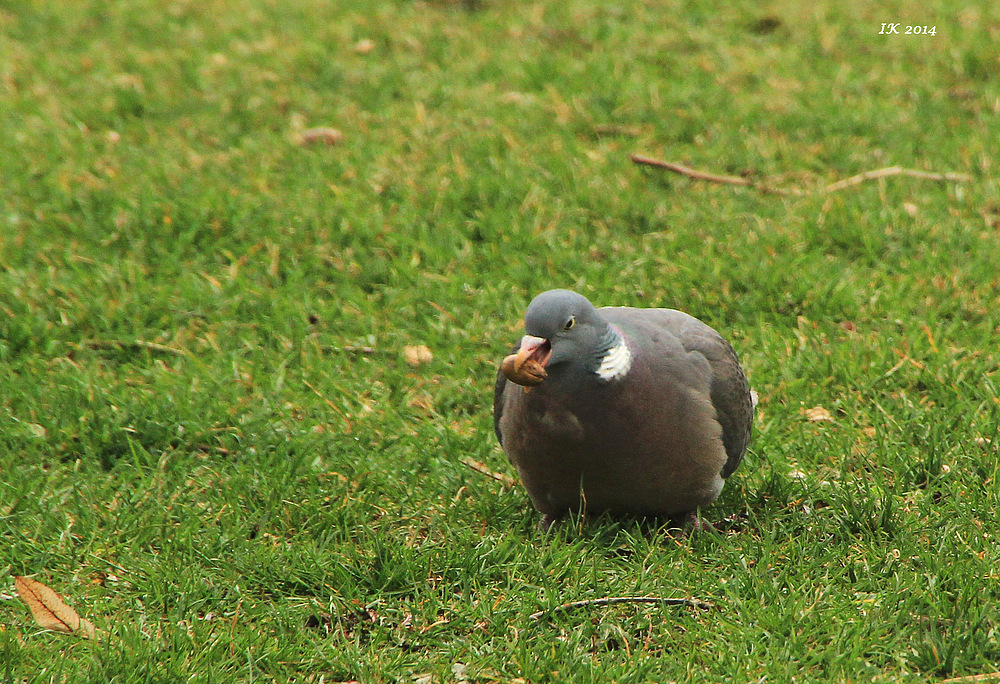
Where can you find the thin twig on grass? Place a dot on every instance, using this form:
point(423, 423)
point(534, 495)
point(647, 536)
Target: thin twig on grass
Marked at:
point(612, 600)
point(987, 677)
point(712, 177)
point(480, 467)
point(322, 396)
point(770, 189)
point(896, 171)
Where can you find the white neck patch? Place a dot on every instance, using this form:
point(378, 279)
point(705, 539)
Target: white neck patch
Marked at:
point(616, 362)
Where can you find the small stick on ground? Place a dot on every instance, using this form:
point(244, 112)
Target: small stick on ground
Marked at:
point(323, 397)
point(968, 679)
point(832, 187)
point(480, 467)
point(712, 177)
point(896, 171)
point(612, 600)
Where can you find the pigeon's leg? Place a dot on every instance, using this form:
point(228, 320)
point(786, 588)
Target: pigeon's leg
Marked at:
point(694, 524)
point(545, 524)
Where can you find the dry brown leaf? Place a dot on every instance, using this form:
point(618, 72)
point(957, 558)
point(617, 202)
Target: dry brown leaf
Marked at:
point(37, 430)
point(424, 402)
point(466, 428)
point(50, 611)
point(321, 135)
point(417, 355)
point(817, 414)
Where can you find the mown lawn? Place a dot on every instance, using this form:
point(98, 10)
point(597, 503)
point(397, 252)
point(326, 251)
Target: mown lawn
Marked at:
point(216, 443)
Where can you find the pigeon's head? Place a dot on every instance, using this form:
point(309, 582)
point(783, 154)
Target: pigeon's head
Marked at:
point(563, 329)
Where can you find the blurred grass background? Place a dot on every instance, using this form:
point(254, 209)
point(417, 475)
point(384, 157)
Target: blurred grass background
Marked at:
point(213, 444)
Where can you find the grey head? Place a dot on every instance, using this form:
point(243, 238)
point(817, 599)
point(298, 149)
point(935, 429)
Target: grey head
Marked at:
point(565, 341)
point(570, 323)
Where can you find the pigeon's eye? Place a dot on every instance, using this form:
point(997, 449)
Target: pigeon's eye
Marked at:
point(570, 323)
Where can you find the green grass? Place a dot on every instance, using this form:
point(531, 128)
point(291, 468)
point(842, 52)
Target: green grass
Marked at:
point(213, 446)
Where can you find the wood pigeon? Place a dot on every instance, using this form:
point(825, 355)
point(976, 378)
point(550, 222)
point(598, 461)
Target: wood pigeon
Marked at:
point(632, 411)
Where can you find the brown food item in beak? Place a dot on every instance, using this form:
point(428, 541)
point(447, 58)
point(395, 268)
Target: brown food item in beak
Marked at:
point(527, 366)
point(528, 372)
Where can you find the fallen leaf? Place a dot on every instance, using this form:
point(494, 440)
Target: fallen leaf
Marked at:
point(214, 282)
point(817, 414)
point(364, 46)
point(416, 355)
point(465, 428)
point(320, 135)
point(424, 402)
point(991, 215)
point(50, 611)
